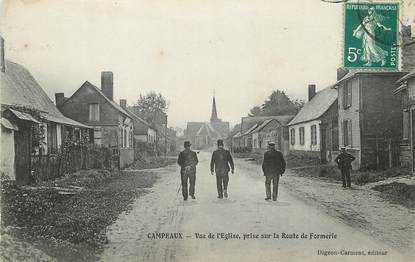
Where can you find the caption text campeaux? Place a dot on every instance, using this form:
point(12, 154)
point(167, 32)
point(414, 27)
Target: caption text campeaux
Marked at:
point(243, 236)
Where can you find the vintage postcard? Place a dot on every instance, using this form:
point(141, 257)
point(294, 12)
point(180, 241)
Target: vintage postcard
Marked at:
point(194, 130)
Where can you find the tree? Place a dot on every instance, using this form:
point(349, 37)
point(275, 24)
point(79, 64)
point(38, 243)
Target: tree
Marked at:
point(255, 111)
point(278, 103)
point(148, 104)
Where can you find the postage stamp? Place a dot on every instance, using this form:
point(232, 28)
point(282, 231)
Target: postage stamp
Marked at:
point(371, 36)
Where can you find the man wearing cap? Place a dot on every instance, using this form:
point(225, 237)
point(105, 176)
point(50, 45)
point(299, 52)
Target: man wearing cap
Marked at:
point(273, 167)
point(220, 162)
point(188, 161)
point(344, 162)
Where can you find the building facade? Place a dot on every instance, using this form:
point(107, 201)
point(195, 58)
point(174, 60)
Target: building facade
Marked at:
point(113, 126)
point(314, 128)
point(31, 124)
point(370, 118)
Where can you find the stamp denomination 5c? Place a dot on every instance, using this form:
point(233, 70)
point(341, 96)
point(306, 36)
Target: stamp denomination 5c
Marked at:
point(371, 36)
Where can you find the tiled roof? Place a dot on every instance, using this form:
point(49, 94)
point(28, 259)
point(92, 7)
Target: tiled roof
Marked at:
point(18, 87)
point(407, 76)
point(316, 107)
point(99, 91)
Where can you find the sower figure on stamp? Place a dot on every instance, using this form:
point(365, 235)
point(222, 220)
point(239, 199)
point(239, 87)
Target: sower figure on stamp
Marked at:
point(344, 162)
point(220, 162)
point(188, 161)
point(273, 167)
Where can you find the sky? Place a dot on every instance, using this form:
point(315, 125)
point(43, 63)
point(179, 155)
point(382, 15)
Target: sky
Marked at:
point(184, 49)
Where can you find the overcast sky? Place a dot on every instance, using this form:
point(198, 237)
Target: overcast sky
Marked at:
point(183, 49)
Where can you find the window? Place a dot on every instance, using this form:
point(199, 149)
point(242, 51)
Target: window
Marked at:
point(52, 138)
point(121, 137)
point(347, 94)
point(125, 139)
point(97, 136)
point(93, 112)
point(347, 132)
point(292, 136)
point(313, 135)
point(301, 135)
point(406, 125)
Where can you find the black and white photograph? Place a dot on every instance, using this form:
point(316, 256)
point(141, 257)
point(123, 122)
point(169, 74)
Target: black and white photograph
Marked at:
point(194, 130)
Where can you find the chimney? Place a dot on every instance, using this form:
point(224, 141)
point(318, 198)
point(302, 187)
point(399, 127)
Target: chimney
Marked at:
point(2, 60)
point(341, 72)
point(123, 103)
point(311, 91)
point(59, 99)
point(107, 85)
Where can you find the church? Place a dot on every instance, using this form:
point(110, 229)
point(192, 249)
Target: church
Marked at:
point(203, 135)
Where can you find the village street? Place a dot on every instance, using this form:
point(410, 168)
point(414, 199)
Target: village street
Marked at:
point(245, 211)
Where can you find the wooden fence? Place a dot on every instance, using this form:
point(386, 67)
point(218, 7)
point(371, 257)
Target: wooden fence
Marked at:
point(71, 159)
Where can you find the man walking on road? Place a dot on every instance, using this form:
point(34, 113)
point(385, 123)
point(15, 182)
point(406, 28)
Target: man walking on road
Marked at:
point(188, 161)
point(273, 167)
point(344, 162)
point(220, 162)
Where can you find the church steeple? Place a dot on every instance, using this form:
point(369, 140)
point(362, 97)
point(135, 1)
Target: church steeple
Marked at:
point(214, 115)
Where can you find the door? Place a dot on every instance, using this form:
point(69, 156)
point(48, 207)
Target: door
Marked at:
point(22, 155)
point(323, 146)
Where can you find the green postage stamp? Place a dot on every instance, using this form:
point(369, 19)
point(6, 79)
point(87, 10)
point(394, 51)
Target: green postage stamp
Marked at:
point(371, 36)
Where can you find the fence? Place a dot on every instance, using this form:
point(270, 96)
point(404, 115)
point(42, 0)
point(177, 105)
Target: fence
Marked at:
point(71, 159)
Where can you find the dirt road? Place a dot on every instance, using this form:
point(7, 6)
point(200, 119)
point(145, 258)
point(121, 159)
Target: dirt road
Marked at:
point(274, 226)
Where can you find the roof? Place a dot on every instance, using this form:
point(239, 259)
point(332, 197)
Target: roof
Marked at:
point(407, 76)
point(261, 126)
point(99, 91)
point(9, 125)
point(19, 87)
point(316, 107)
point(252, 128)
point(24, 116)
point(353, 73)
point(248, 121)
point(192, 128)
point(137, 118)
point(238, 134)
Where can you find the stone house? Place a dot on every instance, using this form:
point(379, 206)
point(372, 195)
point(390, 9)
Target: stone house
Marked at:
point(370, 124)
point(113, 125)
point(314, 129)
point(249, 124)
point(271, 130)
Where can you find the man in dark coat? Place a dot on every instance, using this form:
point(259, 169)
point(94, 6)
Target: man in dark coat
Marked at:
point(344, 162)
point(188, 161)
point(273, 167)
point(220, 162)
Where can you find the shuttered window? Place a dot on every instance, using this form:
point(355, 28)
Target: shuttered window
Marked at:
point(313, 135)
point(347, 132)
point(301, 135)
point(347, 94)
point(93, 112)
point(292, 136)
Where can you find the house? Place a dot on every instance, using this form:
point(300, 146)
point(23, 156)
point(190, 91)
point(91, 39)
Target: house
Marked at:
point(271, 130)
point(251, 124)
point(205, 134)
point(370, 120)
point(314, 129)
point(113, 125)
point(143, 131)
point(406, 91)
point(30, 122)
